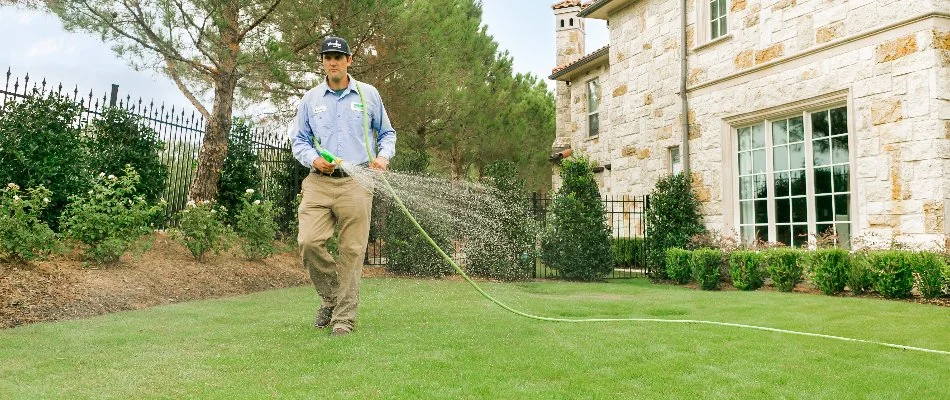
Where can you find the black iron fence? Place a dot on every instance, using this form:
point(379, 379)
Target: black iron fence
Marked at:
point(182, 131)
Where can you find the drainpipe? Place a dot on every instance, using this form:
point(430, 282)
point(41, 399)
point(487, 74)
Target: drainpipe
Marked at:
point(684, 153)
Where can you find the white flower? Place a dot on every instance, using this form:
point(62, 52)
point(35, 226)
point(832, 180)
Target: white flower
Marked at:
point(16, 198)
point(191, 203)
point(101, 174)
point(13, 186)
point(46, 200)
point(249, 191)
point(206, 202)
point(224, 209)
point(90, 192)
point(213, 211)
point(257, 202)
point(111, 177)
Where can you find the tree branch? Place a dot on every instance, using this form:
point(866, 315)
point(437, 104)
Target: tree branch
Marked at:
point(259, 20)
point(173, 73)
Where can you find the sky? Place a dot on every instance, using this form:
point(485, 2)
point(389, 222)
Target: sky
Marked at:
point(36, 43)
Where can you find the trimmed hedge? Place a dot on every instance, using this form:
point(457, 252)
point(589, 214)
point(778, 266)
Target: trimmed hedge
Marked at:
point(678, 266)
point(747, 269)
point(829, 269)
point(628, 251)
point(784, 267)
point(705, 264)
point(892, 273)
point(928, 271)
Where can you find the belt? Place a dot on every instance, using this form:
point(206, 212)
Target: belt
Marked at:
point(337, 173)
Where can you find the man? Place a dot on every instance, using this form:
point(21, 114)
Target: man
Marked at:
point(330, 116)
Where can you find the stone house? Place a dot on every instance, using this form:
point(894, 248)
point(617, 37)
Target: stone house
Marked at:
point(801, 115)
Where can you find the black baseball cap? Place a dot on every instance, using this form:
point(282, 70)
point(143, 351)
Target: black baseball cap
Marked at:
point(333, 44)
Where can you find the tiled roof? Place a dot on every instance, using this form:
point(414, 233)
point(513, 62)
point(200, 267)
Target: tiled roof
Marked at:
point(560, 70)
point(571, 3)
point(566, 4)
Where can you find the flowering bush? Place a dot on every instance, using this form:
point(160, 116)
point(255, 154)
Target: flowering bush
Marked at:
point(23, 236)
point(110, 218)
point(256, 226)
point(202, 229)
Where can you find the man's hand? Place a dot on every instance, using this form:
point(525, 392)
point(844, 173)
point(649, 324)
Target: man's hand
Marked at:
point(380, 164)
point(324, 166)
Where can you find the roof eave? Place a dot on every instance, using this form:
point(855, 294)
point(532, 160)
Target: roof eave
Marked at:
point(595, 59)
point(600, 9)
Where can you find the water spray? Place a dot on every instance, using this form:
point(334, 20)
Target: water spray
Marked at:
point(402, 207)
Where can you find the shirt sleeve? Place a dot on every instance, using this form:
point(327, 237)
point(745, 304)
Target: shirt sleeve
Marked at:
point(386, 136)
point(301, 136)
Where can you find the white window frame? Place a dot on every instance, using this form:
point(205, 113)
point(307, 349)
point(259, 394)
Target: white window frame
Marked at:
point(590, 102)
point(704, 20)
point(803, 108)
point(675, 160)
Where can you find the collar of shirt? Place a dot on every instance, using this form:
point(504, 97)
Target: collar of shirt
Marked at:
point(351, 87)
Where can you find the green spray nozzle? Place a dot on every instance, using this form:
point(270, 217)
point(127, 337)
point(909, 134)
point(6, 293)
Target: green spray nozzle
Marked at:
point(328, 156)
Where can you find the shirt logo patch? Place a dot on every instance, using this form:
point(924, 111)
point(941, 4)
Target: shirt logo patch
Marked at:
point(319, 109)
point(356, 106)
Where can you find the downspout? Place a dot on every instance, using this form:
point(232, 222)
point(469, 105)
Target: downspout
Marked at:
point(684, 153)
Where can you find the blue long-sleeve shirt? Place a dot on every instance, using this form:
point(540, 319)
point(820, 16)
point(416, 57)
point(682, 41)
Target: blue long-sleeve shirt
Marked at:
point(336, 121)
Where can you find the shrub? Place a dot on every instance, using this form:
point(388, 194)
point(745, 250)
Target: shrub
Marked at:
point(678, 266)
point(407, 251)
point(181, 159)
point(672, 219)
point(891, 273)
point(283, 189)
point(201, 229)
point(111, 218)
point(829, 269)
point(23, 236)
point(118, 138)
point(859, 273)
point(785, 267)
point(628, 251)
point(508, 254)
point(747, 269)
point(705, 264)
point(256, 227)
point(41, 145)
point(577, 239)
point(239, 171)
point(928, 271)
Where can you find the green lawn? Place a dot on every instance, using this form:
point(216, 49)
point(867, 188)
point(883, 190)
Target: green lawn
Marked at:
point(439, 339)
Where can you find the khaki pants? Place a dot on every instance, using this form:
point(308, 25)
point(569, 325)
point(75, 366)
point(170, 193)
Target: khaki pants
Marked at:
point(327, 202)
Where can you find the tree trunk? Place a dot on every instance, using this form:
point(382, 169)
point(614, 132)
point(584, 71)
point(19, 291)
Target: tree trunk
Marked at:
point(214, 147)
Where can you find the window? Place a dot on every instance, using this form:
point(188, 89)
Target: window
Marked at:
point(593, 107)
point(794, 178)
point(717, 19)
point(713, 16)
point(676, 165)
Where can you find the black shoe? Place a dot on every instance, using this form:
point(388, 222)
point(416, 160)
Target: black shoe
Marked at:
point(324, 315)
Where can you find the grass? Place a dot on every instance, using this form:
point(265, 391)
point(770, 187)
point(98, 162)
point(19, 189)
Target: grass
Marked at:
point(439, 339)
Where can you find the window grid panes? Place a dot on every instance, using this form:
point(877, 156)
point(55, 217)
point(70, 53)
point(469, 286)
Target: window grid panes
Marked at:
point(788, 173)
point(753, 188)
point(717, 18)
point(827, 176)
point(830, 155)
point(593, 107)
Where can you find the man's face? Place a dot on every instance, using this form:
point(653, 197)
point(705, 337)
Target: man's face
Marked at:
point(335, 65)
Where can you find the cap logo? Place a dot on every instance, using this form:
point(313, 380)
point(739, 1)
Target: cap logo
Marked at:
point(335, 44)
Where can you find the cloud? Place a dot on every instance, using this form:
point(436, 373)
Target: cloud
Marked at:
point(51, 46)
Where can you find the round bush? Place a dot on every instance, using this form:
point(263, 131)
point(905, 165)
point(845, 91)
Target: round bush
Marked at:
point(829, 269)
point(40, 145)
point(747, 269)
point(678, 266)
point(785, 268)
point(892, 273)
point(118, 138)
point(705, 264)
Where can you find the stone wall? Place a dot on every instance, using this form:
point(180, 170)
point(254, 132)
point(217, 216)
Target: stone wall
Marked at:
point(897, 83)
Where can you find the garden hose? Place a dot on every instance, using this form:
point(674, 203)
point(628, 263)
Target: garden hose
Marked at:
point(405, 210)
